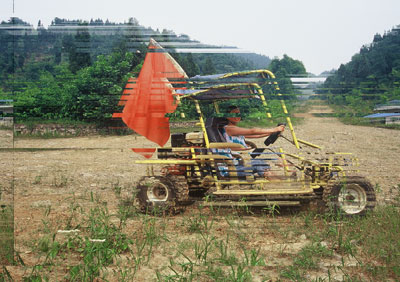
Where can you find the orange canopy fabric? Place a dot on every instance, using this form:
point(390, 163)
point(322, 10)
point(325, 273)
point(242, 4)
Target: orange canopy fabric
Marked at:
point(145, 152)
point(149, 97)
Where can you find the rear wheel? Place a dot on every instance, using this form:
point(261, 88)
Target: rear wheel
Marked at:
point(351, 196)
point(156, 195)
point(163, 194)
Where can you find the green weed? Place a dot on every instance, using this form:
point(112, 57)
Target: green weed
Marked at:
point(60, 181)
point(239, 273)
point(224, 256)
point(252, 257)
point(37, 180)
point(199, 222)
point(307, 259)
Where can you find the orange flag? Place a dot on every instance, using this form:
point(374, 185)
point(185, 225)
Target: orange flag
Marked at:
point(145, 152)
point(149, 97)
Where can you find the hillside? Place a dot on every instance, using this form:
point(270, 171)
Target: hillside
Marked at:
point(371, 77)
point(74, 70)
point(68, 40)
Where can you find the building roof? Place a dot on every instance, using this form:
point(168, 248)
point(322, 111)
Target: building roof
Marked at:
point(391, 105)
point(382, 115)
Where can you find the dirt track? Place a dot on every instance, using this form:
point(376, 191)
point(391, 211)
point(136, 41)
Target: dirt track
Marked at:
point(377, 149)
point(71, 168)
point(100, 162)
point(97, 163)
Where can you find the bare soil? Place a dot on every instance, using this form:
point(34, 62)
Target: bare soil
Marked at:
point(56, 173)
point(377, 149)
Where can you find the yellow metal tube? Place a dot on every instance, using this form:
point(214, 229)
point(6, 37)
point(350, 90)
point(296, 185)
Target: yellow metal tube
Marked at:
point(309, 144)
point(253, 182)
point(263, 192)
point(197, 169)
point(216, 107)
point(289, 122)
point(264, 101)
point(284, 107)
point(302, 159)
point(284, 161)
point(202, 124)
point(183, 162)
point(292, 131)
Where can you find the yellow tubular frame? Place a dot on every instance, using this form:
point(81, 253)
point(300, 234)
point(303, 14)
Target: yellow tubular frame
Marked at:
point(276, 87)
point(198, 160)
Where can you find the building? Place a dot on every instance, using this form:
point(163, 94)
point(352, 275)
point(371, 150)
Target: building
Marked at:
point(388, 113)
point(6, 112)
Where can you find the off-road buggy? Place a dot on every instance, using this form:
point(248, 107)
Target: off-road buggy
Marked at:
point(193, 169)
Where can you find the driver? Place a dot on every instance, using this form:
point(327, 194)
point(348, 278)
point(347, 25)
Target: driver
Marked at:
point(236, 134)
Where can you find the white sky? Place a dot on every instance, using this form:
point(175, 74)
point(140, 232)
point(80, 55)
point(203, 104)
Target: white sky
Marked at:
point(321, 33)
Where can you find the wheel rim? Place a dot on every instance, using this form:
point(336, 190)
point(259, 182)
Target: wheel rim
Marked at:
point(352, 199)
point(158, 193)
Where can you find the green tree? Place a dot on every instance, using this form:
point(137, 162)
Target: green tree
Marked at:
point(284, 69)
point(209, 67)
point(191, 67)
point(371, 72)
point(79, 50)
point(287, 66)
point(44, 97)
point(96, 90)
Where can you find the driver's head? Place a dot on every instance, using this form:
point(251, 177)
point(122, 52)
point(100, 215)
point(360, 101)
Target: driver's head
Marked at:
point(234, 114)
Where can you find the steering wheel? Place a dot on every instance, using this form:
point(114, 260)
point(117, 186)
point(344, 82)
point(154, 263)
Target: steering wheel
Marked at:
point(268, 141)
point(273, 137)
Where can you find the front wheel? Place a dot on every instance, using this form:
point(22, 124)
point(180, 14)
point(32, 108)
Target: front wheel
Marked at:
point(350, 196)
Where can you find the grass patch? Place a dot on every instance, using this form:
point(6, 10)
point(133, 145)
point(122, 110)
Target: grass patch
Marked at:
point(366, 122)
point(207, 245)
point(184, 129)
point(6, 235)
point(377, 241)
point(6, 127)
point(44, 135)
point(307, 259)
point(32, 122)
point(372, 241)
point(324, 114)
point(351, 116)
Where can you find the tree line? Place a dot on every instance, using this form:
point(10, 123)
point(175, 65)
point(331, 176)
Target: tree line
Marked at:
point(77, 74)
point(371, 77)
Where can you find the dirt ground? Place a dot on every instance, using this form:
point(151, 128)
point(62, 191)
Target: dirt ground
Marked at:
point(377, 149)
point(55, 172)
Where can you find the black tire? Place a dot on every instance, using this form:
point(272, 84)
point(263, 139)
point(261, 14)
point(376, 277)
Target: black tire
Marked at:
point(156, 195)
point(181, 189)
point(351, 196)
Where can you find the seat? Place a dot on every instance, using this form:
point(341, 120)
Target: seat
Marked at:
point(214, 126)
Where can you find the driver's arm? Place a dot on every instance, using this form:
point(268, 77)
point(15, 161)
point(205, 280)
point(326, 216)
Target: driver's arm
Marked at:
point(256, 136)
point(255, 132)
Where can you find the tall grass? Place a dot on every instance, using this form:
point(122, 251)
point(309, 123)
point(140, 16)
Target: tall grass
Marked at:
point(6, 234)
point(215, 245)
